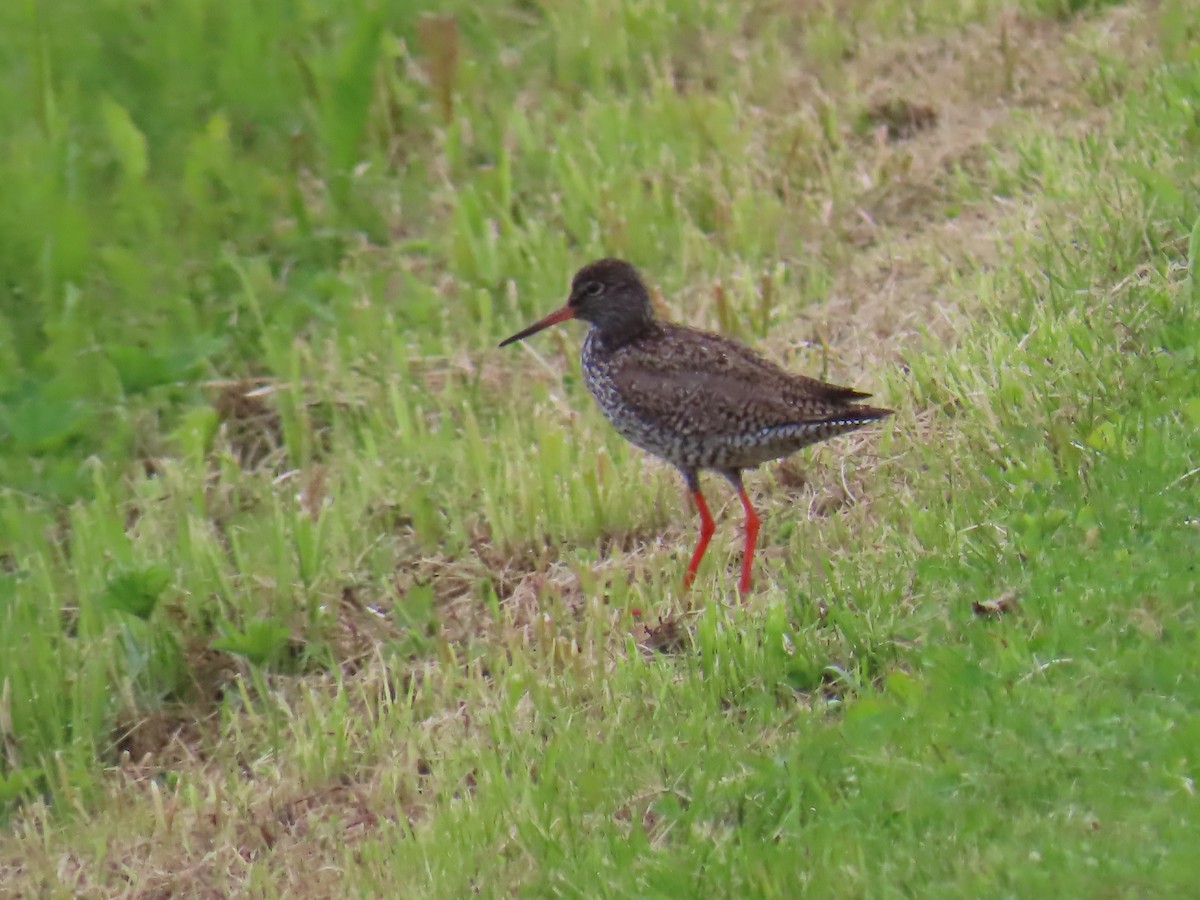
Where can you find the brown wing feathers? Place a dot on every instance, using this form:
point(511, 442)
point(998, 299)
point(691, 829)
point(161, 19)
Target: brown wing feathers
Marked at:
point(726, 385)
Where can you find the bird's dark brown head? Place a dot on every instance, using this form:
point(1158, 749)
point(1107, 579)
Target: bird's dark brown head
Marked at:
point(610, 295)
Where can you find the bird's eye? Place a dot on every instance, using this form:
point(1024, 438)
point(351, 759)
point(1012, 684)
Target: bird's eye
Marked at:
point(594, 288)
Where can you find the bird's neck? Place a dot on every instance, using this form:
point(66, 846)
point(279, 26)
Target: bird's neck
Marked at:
point(616, 333)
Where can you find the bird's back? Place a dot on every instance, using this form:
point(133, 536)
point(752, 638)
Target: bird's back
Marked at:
point(701, 400)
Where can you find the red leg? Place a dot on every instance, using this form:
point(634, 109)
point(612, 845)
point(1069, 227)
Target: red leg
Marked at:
point(707, 527)
point(752, 523)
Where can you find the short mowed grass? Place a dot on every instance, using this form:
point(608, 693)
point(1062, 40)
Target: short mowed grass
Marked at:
point(306, 589)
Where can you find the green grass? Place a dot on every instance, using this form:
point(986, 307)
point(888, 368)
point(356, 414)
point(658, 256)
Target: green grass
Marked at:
point(307, 588)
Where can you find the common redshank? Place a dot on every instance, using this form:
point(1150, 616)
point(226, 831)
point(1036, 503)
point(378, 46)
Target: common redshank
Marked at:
point(696, 399)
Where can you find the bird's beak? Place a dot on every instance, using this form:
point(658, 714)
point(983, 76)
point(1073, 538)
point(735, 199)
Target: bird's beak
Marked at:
point(559, 315)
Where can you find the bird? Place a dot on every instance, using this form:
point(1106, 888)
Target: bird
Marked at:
point(699, 400)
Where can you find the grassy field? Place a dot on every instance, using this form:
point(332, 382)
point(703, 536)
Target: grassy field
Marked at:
point(306, 589)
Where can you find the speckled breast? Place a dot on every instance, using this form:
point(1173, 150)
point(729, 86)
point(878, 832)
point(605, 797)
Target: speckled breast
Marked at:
point(650, 436)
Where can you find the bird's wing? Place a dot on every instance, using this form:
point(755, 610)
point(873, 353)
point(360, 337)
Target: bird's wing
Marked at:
point(696, 382)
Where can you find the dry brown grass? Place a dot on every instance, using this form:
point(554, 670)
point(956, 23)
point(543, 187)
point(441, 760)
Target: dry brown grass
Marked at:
point(972, 88)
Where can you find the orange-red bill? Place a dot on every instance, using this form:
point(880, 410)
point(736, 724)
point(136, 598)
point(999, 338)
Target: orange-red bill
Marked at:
point(559, 315)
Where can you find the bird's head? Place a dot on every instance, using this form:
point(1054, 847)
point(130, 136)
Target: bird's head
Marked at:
point(610, 295)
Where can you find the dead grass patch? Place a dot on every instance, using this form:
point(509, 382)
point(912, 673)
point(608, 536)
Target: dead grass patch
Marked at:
point(900, 118)
point(963, 89)
point(995, 607)
point(250, 425)
point(669, 635)
point(212, 835)
point(172, 737)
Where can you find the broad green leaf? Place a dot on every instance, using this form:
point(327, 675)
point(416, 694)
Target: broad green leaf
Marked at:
point(136, 591)
point(260, 642)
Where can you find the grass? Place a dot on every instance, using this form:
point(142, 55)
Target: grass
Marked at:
point(306, 588)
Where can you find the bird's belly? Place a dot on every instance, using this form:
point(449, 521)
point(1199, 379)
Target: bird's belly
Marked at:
point(687, 449)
